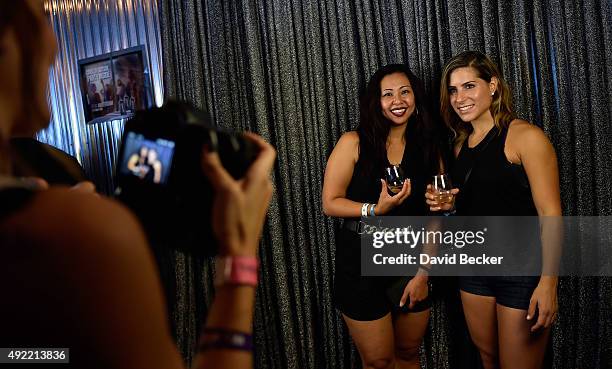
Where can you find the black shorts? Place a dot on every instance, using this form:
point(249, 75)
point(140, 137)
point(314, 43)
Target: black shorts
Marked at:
point(512, 292)
point(358, 297)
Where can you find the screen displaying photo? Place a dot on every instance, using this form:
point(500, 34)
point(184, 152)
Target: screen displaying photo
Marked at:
point(149, 160)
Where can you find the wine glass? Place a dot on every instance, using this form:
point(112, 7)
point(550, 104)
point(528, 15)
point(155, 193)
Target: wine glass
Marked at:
point(394, 175)
point(442, 189)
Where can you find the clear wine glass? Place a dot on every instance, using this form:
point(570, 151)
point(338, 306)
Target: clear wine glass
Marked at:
point(394, 175)
point(442, 187)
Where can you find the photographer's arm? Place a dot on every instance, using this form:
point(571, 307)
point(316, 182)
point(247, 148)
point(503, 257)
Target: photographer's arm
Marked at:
point(240, 208)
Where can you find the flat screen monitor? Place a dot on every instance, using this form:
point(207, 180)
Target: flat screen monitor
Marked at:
point(114, 85)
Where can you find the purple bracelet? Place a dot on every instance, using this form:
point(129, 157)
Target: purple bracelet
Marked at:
point(219, 338)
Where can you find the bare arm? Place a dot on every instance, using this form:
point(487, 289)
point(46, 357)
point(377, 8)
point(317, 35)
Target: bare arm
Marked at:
point(240, 208)
point(535, 152)
point(132, 161)
point(338, 174)
point(157, 170)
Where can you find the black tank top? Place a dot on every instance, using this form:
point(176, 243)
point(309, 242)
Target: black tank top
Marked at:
point(366, 187)
point(489, 184)
point(13, 200)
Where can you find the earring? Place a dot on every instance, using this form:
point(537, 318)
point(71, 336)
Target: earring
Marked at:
point(492, 93)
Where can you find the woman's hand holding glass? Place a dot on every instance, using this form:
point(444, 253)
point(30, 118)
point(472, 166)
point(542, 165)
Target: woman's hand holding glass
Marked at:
point(386, 202)
point(440, 196)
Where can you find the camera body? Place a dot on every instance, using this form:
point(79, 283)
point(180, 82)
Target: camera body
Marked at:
point(159, 173)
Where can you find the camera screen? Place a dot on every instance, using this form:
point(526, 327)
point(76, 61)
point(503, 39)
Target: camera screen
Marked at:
point(149, 160)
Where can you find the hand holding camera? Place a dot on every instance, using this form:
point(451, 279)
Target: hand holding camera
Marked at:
point(239, 206)
point(199, 181)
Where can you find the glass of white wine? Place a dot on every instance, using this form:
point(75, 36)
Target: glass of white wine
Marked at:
point(442, 189)
point(394, 175)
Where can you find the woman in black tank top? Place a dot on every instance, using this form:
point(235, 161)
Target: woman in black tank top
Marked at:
point(507, 167)
point(396, 128)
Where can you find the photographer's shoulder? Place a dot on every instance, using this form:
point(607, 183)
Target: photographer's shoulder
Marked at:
point(88, 257)
point(75, 221)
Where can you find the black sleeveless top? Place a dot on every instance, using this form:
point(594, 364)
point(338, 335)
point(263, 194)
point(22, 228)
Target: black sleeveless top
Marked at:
point(489, 184)
point(366, 187)
point(12, 200)
point(150, 173)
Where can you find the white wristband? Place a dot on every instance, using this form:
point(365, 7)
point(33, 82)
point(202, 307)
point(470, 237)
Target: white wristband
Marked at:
point(364, 209)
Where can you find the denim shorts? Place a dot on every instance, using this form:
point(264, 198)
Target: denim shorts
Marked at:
point(513, 292)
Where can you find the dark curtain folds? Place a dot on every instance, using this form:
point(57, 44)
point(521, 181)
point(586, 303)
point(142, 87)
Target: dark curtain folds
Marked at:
point(292, 70)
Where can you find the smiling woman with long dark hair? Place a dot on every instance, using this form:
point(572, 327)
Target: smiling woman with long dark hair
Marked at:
point(395, 129)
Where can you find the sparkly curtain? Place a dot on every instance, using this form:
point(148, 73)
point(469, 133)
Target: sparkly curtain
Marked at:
point(291, 71)
point(83, 29)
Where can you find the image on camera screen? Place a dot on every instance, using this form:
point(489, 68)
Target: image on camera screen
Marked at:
point(149, 160)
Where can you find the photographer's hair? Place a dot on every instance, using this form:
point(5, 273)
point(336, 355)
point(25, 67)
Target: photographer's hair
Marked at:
point(421, 132)
point(18, 16)
point(501, 106)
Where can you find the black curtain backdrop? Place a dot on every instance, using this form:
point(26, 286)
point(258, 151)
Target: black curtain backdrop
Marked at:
point(292, 70)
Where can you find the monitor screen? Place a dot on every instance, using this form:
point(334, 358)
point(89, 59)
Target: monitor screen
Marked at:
point(114, 85)
point(146, 159)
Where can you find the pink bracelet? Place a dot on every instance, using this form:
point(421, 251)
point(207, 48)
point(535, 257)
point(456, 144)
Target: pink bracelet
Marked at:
point(236, 270)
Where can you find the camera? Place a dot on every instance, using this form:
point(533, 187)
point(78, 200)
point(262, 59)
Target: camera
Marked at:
point(159, 173)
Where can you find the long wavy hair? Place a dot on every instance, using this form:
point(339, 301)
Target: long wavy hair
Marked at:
point(501, 106)
point(373, 130)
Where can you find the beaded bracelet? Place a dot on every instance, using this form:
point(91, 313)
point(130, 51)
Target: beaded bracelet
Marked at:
point(220, 338)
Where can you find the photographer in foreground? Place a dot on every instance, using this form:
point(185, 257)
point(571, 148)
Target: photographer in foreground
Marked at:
point(75, 269)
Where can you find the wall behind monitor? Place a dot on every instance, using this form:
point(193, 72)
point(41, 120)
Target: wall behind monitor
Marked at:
point(83, 29)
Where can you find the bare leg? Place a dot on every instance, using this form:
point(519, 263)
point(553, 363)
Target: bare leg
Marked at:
point(374, 341)
point(409, 330)
point(481, 318)
point(518, 347)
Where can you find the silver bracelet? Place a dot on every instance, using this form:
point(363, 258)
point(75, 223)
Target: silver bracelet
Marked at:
point(364, 209)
